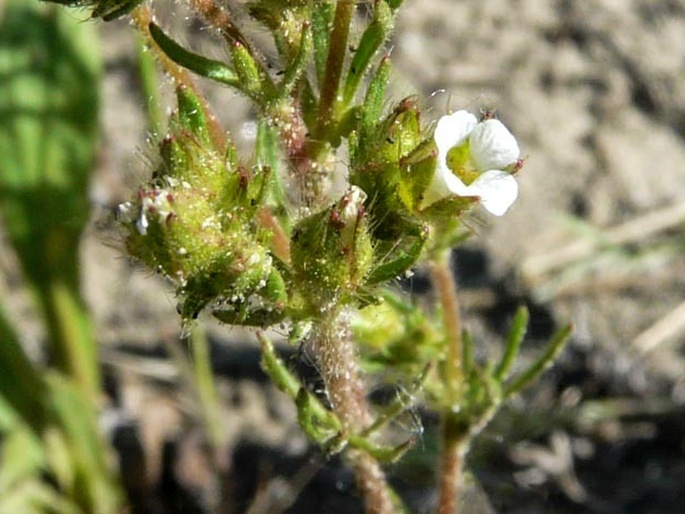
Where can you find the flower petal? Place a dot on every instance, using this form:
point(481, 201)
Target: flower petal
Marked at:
point(452, 130)
point(492, 146)
point(444, 183)
point(497, 191)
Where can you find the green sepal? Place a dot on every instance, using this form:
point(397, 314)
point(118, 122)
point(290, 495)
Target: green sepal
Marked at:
point(373, 38)
point(267, 155)
point(263, 308)
point(449, 207)
point(191, 114)
point(251, 80)
point(374, 101)
point(349, 121)
point(297, 67)
point(401, 131)
point(196, 63)
point(332, 251)
point(402, 254)
point(416, 173)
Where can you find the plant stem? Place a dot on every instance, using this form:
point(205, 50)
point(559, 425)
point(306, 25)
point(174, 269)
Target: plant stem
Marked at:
point(452, 435)
point(337, 50)
point(21, 384)
point(219, 18)
point(206, 388)
point(337, 359)
point(451, 466)
point(68, 324)
point(446, 289)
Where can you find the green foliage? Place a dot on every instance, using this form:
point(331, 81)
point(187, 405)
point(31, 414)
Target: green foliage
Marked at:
point(209, 68)
point(48, 135)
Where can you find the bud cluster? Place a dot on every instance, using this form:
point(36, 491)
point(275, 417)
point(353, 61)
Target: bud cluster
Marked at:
point(194, 223)
point(332, 251)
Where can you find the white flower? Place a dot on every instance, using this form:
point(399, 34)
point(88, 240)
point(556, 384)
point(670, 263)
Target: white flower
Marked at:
point(471, 159)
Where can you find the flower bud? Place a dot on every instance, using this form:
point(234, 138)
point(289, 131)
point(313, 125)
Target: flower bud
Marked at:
point(194, 223)
point(331, 250)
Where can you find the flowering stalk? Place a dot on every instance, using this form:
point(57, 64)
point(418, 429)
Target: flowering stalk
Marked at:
point(338, 363)
point(452, 438)
point(269, 239)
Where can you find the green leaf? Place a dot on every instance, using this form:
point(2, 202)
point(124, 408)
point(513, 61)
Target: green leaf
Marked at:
point(50, 68)
point(373, 38)
point(322, 21)
point(554, 347)
point(49, 100)
point(92, 483)
point(514, 339)
point(203, 66)
point(22, 456)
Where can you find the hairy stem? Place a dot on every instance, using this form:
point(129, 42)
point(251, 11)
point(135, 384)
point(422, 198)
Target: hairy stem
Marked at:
point(451, 466)
point(219, 18)
point(337, 359)
point(446, 290)
point(451, 434)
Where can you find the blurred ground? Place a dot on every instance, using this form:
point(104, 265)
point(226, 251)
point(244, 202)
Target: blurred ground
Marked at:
point(595, 93)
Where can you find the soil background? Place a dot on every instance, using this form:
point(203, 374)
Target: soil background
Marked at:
point(594, 90)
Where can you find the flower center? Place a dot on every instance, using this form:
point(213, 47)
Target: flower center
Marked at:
point(459, 162)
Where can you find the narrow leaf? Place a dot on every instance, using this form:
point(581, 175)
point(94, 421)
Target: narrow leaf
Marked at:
point(513, 345)
point(553, 349)
point(203, 66)
point(322, 21)
point(374, 36)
